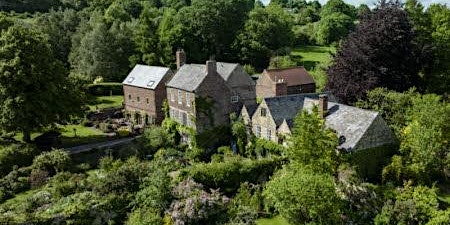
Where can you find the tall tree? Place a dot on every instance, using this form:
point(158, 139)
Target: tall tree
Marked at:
point(379, 53)
point(266, 30)
point(34, 89)
point(333, 28)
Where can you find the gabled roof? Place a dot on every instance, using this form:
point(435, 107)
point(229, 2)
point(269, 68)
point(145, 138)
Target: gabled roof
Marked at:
point(288, 106)
point(146, 76)
point(190, 76)
point(350, 123)
point(292, 76)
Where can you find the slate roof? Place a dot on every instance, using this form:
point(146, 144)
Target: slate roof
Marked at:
point(146, 76)
point(292, 76)
point(350, 123)
point(190, 76)
point(288, 106)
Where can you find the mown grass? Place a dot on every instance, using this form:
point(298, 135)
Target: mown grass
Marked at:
point(310, 56)
point(315, 59)
point(104, 102)
point(277, 220)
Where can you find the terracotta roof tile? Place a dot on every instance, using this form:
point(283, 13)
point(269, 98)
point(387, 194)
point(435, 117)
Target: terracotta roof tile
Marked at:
point(292, 76)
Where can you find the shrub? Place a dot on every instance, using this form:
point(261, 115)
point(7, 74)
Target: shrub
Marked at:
point(230, 174)
point(105, 89)
point(15, 154)
point(52, 161)
point(38, 178)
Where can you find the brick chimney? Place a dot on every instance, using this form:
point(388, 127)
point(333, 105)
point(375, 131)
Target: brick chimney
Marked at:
point(323, 105)
point(211, 67)
point(181, 58)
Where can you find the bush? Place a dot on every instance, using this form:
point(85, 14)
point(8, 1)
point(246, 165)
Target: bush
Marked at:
point(15, 154)
point(38, 178)
point(230, 174)
point(52, 161)
point(123, 132)
point(105, 89)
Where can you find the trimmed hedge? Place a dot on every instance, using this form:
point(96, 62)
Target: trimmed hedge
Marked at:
point(370, 162)
point(229, 175)
point(105, 89)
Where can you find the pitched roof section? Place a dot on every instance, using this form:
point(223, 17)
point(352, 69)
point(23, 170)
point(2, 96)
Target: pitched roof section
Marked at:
point(190, 76)
point(292, 76)
point(288, 106)
point(350, 123)
point(146, 76)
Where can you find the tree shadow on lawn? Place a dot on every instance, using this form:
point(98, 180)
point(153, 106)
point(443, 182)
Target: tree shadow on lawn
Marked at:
point(309, 65)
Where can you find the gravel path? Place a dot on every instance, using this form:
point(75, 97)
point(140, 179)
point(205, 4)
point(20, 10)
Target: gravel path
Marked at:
point(106, 144)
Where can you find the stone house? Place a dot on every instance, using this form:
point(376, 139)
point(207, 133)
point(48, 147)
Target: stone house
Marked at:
point(202, 96)
point(144, 93)
point(356, 128)
point(278, 82)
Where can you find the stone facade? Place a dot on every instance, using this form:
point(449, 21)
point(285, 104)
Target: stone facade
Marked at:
point(263, 124)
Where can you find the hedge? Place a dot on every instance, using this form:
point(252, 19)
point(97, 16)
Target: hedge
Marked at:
point(105, 89)
point(229, 175)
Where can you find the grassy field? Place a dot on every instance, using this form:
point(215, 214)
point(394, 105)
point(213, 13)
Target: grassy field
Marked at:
point(277, 220)
point(103, 102)
point(314, 56)
point(310, 56)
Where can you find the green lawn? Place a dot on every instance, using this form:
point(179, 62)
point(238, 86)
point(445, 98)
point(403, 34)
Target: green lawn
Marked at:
point(84, 135)
point(277, 220)
point(103, 102)
point(309, 56)
point(312, 56)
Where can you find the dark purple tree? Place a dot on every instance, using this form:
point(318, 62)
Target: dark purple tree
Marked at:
point(379, 53)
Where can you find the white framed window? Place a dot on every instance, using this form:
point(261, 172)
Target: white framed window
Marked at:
point(188, 99)
point(180, 98)
point(269, 134)
point(234, 98)
point(172, 113)
point(258, 131)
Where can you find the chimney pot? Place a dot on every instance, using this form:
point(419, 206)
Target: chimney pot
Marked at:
point(323, 105)
point(181, 58)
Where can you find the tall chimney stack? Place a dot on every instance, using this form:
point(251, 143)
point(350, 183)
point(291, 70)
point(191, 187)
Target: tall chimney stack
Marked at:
point(181, 58)
point(323, 105)
point(211, 66)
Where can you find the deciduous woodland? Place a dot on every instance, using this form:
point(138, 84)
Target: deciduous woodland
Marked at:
point(62, 64)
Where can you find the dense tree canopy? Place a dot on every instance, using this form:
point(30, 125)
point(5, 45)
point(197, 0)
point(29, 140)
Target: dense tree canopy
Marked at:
point(380, 53)
point(34, 88)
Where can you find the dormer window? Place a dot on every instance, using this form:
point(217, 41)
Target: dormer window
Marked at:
point(234, 98)
point(263, 112)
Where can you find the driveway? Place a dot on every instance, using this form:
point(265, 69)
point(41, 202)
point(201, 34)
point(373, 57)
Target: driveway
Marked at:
point(99, 145)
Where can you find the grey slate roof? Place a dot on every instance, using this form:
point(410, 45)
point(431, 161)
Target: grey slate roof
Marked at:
point(288, 106)
point(190, 76)
point(145, 76)
point(350, 123)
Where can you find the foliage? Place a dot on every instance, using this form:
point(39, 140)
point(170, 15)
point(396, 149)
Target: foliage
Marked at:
point(315, 199)
point(194, 205)
point(155, 137)
point(53, 161)
point(379, 53)
point(281, 62)
point(411, 205)
point(245, 206)
point(105, 89)
point(313, 145)
point(266, 30)
point(424, 147)
point(9, 155)
point(144, 216)
point(229, 174)
point(34, 88)
point(333, 28)
point(239, 131)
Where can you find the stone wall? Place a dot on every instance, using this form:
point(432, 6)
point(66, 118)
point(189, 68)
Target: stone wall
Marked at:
point(378, 134)
point(265, 123)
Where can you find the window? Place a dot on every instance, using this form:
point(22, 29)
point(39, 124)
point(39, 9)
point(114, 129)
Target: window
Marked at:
point(129, 97)
point(263, 112)
point(172, 96)
point(234, 98)
point(180, 98)
point(269, 134)
point(138, 98)
point(188, 99)
point(172, 113)
point(148, 101)
point(258, 131)
point(150, 84)
point(130, 79)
